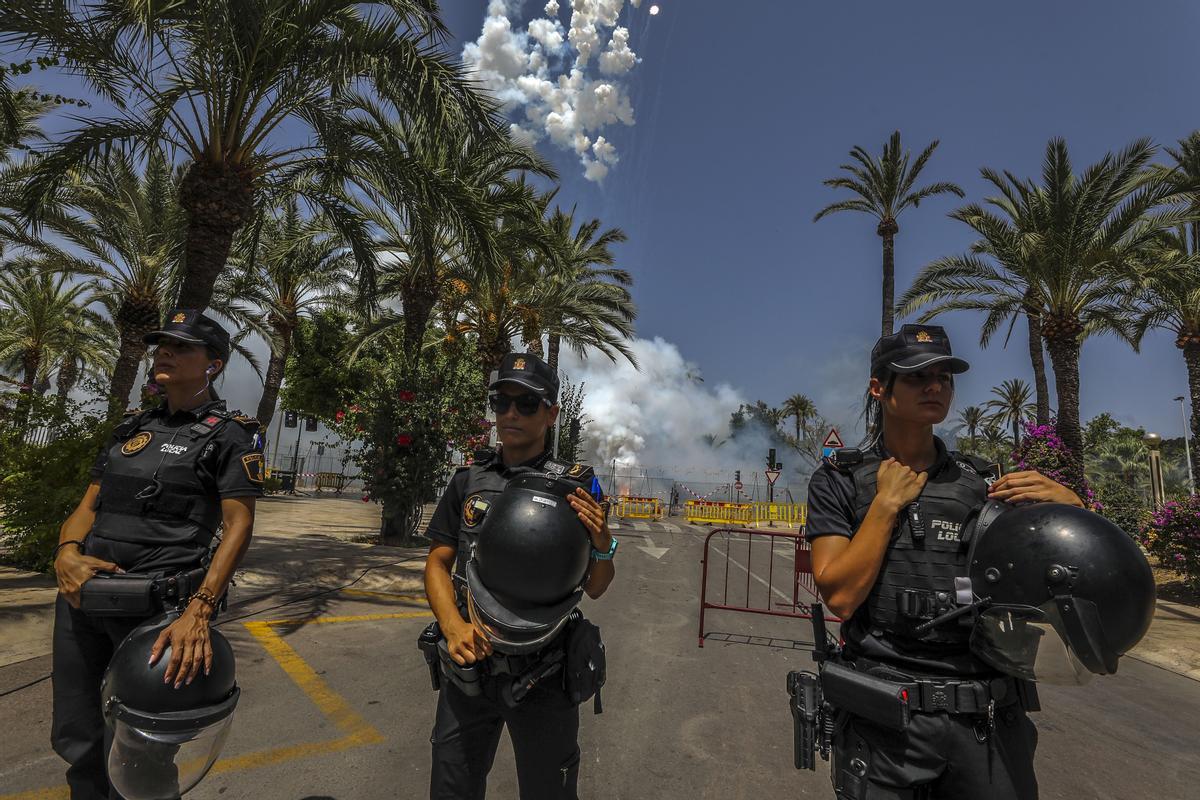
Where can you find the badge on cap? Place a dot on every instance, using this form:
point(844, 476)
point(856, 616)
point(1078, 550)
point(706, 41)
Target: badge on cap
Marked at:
point(137, 443)
point(923, 336)
point(180, 317)
point(519, 364)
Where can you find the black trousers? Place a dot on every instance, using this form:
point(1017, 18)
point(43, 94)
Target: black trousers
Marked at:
point(83, 646)
point(544, 729)
point(938, 757)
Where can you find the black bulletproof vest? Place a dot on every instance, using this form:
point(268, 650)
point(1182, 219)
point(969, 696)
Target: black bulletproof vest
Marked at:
point(151, 475)
point(917, 580)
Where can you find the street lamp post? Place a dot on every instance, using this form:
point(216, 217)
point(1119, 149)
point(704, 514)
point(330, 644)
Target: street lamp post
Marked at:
point(1157, 494)
point(1187, 445)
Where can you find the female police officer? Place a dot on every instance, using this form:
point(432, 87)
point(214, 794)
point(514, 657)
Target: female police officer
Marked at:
point(160, 488)
point(885, 527)
point(545, 726)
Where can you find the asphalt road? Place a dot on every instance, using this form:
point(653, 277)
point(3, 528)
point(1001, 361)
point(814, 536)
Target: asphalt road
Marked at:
point(337, 706)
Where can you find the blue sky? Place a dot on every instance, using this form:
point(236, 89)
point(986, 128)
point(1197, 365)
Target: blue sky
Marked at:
point(742, 109)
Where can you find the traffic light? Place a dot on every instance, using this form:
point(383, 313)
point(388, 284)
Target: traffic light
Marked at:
point(310, 423)
point(771, 458)
point(737, 476)
point(289, 419)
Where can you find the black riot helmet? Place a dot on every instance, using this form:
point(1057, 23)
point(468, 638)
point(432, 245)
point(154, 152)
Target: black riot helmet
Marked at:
point(164, 740)
point(527, 564)
point(1065, 593)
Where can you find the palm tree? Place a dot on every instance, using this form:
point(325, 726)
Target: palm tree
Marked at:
point(39, 313)
point(577, 258)
point(800, 408)
point(972, 418)
point(996, 446)
point(885, 189)
point(220, 78)
point(1012, 238)
point(1011, 406)
point(84, 349)
point(1081, 269)
point(293, 266)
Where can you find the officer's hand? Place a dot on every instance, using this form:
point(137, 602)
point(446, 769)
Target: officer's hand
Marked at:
point(1031, 487)
point(191, 648)
point(72, 570)
point(466, 644)
point(591, 514)
point(897, 485)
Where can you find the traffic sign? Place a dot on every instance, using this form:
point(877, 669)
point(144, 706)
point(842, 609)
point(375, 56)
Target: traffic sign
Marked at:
point(827, 452)
point(833, 439)
point(738, 486)
point(772, 474)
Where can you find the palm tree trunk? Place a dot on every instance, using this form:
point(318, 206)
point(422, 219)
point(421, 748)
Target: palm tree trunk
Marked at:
point(553, 344)
point(1037, 359)
point(126, 369)
point(534, 345)
point(31, 360)
point(68, 376)
point(418, 309)
point(219, 200)
point(1191, 356)
point(888, 230)
point(1064, 357)
point(275, 370)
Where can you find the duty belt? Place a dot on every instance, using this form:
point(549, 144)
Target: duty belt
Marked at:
point(952, 695)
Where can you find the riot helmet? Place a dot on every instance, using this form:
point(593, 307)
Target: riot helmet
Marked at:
point(527, 564)
point(164, 740)
point(1062, 592)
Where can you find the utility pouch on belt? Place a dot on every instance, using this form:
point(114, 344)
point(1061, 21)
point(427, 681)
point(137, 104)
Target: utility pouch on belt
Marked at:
point(585, 673)
point(427, 643)
point(115, 594)
point(874, 699)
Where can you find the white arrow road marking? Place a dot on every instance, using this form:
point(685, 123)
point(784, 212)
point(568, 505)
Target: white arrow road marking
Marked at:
point(654, 552)
point(639, 525)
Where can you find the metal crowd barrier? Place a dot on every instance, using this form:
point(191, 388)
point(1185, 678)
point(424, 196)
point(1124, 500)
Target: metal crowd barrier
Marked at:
point(714, 513)
point(790, 514)
point(628, 507)
point(786, 580)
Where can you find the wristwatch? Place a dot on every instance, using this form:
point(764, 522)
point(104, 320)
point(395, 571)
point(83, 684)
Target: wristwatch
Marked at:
point(605, 556)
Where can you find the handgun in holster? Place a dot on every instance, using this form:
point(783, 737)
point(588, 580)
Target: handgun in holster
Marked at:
point(427, 642)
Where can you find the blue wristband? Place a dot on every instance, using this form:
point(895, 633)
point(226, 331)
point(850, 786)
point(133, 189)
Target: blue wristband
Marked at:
point(602, 556)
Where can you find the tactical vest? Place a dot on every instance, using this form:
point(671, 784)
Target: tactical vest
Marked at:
point(151, 475)
point(485, 481)
point(927, 553)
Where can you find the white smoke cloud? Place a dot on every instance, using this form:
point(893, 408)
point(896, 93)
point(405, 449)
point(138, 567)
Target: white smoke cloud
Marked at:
point(565, 80)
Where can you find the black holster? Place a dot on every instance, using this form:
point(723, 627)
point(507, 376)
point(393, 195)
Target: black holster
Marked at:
point(427, 643)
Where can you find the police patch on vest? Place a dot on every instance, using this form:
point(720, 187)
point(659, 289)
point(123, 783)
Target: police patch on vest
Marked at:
point(473, 510)
point(253, 464)
point(137, 443)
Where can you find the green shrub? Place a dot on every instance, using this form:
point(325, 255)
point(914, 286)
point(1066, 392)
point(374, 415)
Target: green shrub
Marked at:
point(41, 484)
point(1173, 535)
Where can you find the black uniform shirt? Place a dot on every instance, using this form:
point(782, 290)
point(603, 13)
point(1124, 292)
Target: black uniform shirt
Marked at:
point(220, 468)
point(446, 523)
point(831, 513)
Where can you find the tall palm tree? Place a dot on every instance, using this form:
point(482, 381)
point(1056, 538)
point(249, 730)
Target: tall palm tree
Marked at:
point(1081, 271)
point(884, 187)
point(221, 78)
point(801, 409)
point(584, 258)
point(995, 445)
point(1011, 406)
point(292, 267)
point(972, 418)
point(39, 313)
point(84, 349)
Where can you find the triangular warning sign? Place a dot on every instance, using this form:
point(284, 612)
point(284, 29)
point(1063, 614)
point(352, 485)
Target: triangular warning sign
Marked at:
point(833, 440)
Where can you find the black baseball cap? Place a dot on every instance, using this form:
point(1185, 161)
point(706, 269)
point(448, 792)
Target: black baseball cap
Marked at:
point(526, 369)
point(914, 348)
point(189, 325)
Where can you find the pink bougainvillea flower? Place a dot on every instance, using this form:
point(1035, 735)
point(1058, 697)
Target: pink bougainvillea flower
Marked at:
point(340, 415)
point(407, 396)
point(404, 440)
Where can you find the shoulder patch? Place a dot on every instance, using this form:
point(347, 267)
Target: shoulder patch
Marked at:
point(578, 470)
point(253, 464)
point(246, 422)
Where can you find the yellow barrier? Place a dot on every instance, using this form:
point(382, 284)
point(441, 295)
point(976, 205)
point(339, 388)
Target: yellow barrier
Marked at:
point(639, 508)
point(704, 512)
point(789, 514)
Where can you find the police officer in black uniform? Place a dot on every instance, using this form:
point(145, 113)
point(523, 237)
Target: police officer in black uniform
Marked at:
point(887, 526)
point(544, 727)
point(139, 540)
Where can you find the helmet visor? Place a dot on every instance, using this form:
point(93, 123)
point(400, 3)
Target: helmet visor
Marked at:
point(151, 765)
point(1027, 642)
point(509, 640)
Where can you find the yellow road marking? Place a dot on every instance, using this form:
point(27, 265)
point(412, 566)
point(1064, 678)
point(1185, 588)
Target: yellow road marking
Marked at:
point(357, 731)
point(417, 598)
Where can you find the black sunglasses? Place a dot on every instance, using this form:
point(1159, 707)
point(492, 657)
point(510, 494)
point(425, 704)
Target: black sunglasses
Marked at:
point(527, 404)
